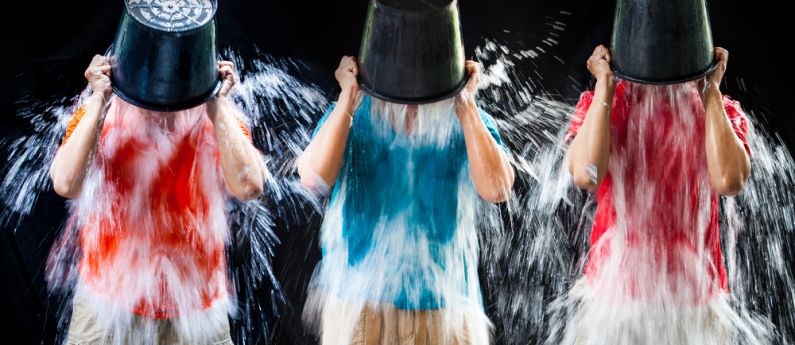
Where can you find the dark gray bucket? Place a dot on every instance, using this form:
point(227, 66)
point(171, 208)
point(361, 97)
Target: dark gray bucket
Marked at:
point(164, 55)
point(662, 41)
point(412, 51)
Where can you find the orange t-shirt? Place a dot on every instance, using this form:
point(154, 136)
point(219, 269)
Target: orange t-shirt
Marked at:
point(151, 216)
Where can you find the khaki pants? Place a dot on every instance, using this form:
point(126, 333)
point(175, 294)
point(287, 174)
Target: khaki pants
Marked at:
point(387, 325)
point(84, 330)
point(592, 324)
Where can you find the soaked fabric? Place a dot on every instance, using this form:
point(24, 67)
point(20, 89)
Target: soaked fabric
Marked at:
point(84, 329)
point(655, 271)
point(387, 176)
point(150, 219)
point(640, 323)
point(401, 226)
point(666, 201)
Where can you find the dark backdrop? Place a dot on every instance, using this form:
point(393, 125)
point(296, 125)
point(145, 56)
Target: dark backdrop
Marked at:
point(46, 46)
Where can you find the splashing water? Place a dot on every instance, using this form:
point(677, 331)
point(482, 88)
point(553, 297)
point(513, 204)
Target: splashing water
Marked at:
point(535, 250)
point(392, 246)
point(140, 269)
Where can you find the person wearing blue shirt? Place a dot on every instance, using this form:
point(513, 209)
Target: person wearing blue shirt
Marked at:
point(399, 238)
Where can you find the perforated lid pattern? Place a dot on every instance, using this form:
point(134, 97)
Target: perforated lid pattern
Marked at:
point(172, 15)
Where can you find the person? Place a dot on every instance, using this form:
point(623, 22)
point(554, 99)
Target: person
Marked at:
point(399, 237)
point(148, 193)
point(657, 156)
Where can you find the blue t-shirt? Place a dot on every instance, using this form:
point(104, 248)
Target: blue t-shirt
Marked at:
point(391, 177)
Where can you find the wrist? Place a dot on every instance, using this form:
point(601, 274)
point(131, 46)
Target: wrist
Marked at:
point(467, 110)
point(607, 80)
point(711, 89)
point(214, 107)
point(100, 97)
point(349, 90)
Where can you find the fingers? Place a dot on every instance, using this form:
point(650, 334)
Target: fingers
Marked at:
point(472, 68)
point(722, 55)
point(104, 69)
point(354, 66)
point(349, 63)
point(99, 60)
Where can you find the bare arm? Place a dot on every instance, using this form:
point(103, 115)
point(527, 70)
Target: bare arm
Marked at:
point(589, 152)
point(727, 160)
point(71, 162)
point(243, 169)
point(320, 163)
point(489, 168)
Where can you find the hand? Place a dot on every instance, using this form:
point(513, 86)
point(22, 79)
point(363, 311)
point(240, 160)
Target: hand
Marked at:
point(599, 63)
point(98, 76)
point(712, 82)
point(226, 70)
point(347, 73)
point(467, 98)
point(722, 55)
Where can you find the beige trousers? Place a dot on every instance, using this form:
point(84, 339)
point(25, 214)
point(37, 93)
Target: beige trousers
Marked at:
point(84, 330)
point(592, 324)
point(387, 325)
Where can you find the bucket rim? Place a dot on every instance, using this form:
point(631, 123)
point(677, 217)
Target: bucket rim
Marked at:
point(684, 79)
point(414, 100)
point(183, 105)
point(453, 3)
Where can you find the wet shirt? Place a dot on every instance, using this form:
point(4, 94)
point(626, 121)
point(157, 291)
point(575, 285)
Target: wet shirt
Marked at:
point(386, 180)
point(151, 219)
point(653, 180)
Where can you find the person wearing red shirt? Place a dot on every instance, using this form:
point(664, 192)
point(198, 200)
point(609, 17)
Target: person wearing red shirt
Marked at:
point(148, 194)
point(657, 156)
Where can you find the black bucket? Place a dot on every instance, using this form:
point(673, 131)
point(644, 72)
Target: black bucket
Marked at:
point(412, 51)
point(164, 54)
point(662, 41)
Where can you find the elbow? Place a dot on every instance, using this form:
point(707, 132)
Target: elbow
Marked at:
point(730, 185)
point(64, 185)
point(499, 192)
point(496, 196)
point(314, 183)
point(311, 180)
point(585, 182)
point(250, 188)
point(731, 182)
point(63, 189)
point(249, 191)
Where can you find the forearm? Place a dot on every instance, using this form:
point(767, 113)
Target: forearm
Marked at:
point(589, 152)
point(489, 167)
point(243, 169)
point(70, 164)
point(321, 161)
point(727, 160)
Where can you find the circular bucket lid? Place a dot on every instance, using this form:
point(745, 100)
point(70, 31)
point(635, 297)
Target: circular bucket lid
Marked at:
point(172, 15)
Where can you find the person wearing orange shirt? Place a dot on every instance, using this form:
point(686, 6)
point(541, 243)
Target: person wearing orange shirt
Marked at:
point(148, 193)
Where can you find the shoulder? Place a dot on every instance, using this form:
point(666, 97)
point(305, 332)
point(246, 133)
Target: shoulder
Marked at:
point(733, 108)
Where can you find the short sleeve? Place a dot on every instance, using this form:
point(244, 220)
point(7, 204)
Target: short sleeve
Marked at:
point(323, 119)
point(491, 125)
point(586, 98)
point(738, 120)
point(244, 128)
point(70, 128)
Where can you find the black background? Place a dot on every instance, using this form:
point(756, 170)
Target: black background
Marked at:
point(46, 46)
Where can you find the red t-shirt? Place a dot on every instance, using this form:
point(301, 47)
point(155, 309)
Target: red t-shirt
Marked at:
point(656, 195)
point(151, 219)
